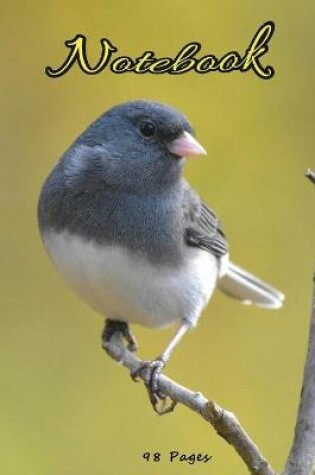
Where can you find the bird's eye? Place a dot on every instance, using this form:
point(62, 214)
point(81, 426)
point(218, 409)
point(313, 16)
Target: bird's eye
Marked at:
point(147, 128)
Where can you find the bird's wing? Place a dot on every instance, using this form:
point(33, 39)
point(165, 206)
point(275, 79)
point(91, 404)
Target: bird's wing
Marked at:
point(202, 226)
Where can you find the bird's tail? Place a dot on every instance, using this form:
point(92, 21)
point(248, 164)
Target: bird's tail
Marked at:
point(241, 285)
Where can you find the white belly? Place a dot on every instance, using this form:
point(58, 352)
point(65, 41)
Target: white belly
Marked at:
point(129, 288)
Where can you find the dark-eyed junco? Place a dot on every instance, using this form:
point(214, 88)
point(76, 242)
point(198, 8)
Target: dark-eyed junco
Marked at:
point(130, 236)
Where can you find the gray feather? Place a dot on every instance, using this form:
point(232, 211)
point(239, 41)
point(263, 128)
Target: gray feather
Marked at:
point(202, 226)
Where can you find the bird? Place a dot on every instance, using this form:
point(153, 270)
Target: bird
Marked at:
point(131, 237)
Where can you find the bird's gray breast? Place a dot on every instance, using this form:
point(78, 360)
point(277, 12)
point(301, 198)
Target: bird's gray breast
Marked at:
point(149, 224)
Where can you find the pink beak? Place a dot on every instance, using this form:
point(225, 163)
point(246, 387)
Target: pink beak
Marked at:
point(185, 146)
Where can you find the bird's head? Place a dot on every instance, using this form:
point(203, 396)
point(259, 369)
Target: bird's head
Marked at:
point(135, 146)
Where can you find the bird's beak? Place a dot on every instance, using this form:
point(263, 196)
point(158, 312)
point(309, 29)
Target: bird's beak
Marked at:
point(185, 146)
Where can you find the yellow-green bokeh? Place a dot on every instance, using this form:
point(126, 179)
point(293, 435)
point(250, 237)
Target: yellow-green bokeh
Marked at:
point(66, 408)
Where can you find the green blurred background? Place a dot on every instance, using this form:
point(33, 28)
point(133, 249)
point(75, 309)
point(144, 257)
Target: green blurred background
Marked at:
point(66, 408)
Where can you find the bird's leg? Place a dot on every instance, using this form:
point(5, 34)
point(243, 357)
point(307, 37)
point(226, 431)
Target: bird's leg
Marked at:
point(155, 367)
point(116, 326)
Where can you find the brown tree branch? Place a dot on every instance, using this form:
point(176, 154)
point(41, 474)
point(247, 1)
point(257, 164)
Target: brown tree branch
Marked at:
point(302, 454)
point(224, 422)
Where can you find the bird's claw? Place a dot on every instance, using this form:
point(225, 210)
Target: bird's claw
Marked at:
point(156, 399)
point(150, 371)
point(115, 326)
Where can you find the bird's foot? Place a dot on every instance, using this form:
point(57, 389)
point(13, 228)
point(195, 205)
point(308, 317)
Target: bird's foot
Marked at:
point(151, 371)
point(116, 326)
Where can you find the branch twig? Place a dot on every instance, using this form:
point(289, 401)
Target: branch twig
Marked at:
point(302, 455)
point(224, 422)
